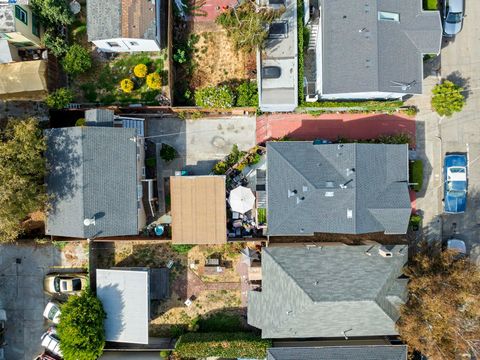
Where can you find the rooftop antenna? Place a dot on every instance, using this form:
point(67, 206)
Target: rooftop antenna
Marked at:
point(345, 333)
point(402, 85)
point(88, 222)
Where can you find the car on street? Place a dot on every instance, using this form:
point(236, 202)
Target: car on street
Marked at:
point(68, 284)
point(455, 181)
point(52, 312)
point(46, 355)
point(51, 342)
point(453, 15)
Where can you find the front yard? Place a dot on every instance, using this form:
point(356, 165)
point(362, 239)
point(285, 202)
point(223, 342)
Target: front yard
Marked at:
point(211, 291)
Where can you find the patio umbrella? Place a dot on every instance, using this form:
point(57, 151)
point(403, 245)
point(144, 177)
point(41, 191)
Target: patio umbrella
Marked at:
point(241, 199)
point(248, 255)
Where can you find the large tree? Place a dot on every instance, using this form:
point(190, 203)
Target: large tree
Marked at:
point(247, 24)
point(447, 98)
point(22, 171)
point(52, 12)
point(81, 332)
point(442, 316)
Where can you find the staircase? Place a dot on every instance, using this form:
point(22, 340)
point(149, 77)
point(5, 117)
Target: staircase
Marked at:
point(312, 43)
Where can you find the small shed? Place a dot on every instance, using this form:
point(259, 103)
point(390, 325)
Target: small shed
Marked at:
point(125, 295)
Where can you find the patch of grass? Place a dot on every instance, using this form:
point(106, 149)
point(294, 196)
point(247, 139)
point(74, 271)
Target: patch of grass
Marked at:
point(262, 215)
point(416, 174)
point(181, 249)
point(60, 245)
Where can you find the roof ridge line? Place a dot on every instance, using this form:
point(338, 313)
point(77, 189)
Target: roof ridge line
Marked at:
point(83, 129)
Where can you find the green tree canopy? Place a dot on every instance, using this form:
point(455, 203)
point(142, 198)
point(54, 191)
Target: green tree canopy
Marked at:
point(447, 98)
point(22, 171)
point(442, 316)
point(247, 24)
point(52, 12)
point(81, 332)
point(77, 60)
point(59, 99)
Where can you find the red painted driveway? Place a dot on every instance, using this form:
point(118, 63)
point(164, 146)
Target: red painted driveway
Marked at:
point(332, 126)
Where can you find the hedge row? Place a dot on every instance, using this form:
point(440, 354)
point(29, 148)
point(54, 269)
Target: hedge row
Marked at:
point(416, 174)
point(226, 345)
point(300, 35)
point(369, 104)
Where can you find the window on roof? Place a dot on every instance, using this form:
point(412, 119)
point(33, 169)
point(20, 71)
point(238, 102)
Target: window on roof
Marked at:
point(21, 14)
point(113, 44)
point(133, 43)
point(388, 16)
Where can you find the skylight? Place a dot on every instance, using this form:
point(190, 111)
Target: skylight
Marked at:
point(388, 16)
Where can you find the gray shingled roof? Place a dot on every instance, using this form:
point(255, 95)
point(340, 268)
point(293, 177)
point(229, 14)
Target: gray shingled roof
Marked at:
point(374, 196)
point(92, 172)
point(104, 19)
point(363, 54)
point(326, 291)
point(366, 352)
point(99, 117)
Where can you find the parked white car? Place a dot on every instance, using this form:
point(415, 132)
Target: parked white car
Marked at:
point(51, 342)
point(52, 312)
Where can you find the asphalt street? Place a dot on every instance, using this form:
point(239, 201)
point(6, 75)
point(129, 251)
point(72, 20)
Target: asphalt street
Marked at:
point(460, 61)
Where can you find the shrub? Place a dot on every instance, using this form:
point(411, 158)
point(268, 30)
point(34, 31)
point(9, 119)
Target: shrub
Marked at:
point(301, 38)
point(81, 122)
point(59, 99)
point(180, 56)
point(77, 60)
point(89, 92)
point(140, 70)
point(220, 168)
point(415, 221)
point(247, 94)
point(164, 354)
point(221, 322)
point(215, 97)
point(253, 159)
point(262, 215)
point(447, 98)
point(154, 81)
point(226, 345)
point(80, 330)
point(52, 12)
point(401, 138)
point(126, 85)
point(416, 174)
point(177, 330)
point(54, 43)
point(167, 152)
point(181, 249)
point(151, 162)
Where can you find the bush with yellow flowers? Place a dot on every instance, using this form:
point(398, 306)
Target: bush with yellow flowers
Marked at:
point(140, 70)
point(126, 85)
point(154, 81)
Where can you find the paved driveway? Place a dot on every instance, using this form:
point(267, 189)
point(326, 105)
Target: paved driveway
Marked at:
point(21, 294)
point(332, 126)
point(461, 132)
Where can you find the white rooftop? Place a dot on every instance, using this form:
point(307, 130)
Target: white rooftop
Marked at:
point(126, 301)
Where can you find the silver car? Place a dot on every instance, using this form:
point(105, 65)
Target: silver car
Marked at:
point(453, 14)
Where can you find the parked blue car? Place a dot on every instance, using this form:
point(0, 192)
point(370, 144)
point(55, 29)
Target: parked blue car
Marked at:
point(455, 173)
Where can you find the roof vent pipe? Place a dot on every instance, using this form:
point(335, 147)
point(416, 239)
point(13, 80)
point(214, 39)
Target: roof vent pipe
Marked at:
point(384, 252)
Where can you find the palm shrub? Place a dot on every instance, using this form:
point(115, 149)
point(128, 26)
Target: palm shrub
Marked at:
point(77, 60)
point(154, 81)
point(447, 98)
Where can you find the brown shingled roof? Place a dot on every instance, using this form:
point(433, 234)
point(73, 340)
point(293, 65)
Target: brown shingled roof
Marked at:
point(137, 17)
point(199, 214)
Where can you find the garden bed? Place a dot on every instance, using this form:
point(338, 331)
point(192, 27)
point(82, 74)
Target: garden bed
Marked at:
point(102, 84)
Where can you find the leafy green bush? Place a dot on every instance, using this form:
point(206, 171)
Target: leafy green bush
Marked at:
point(226, 345)
point(55, 43)
point(167, 152)
point(220, 168)
point(247, 94)
point(77, 60)
point(416, 174)
point(262, 215)
point(221, 322)
point(59, 99)
point(181, 249)
point(151, 162)
point(447, 98)
point(215, 97)
point(415, 220)
point(89, 92)
point(80, 330)
point(301, 46)
point(81, 122)
point(180, 56)
point(164, 354)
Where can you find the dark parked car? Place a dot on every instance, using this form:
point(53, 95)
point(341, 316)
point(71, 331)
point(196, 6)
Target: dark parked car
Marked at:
point(271, 72)
point(455, 177)
point(453, 17)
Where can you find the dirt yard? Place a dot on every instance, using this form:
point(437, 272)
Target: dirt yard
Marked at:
point(189, 278)
point(218, 62)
